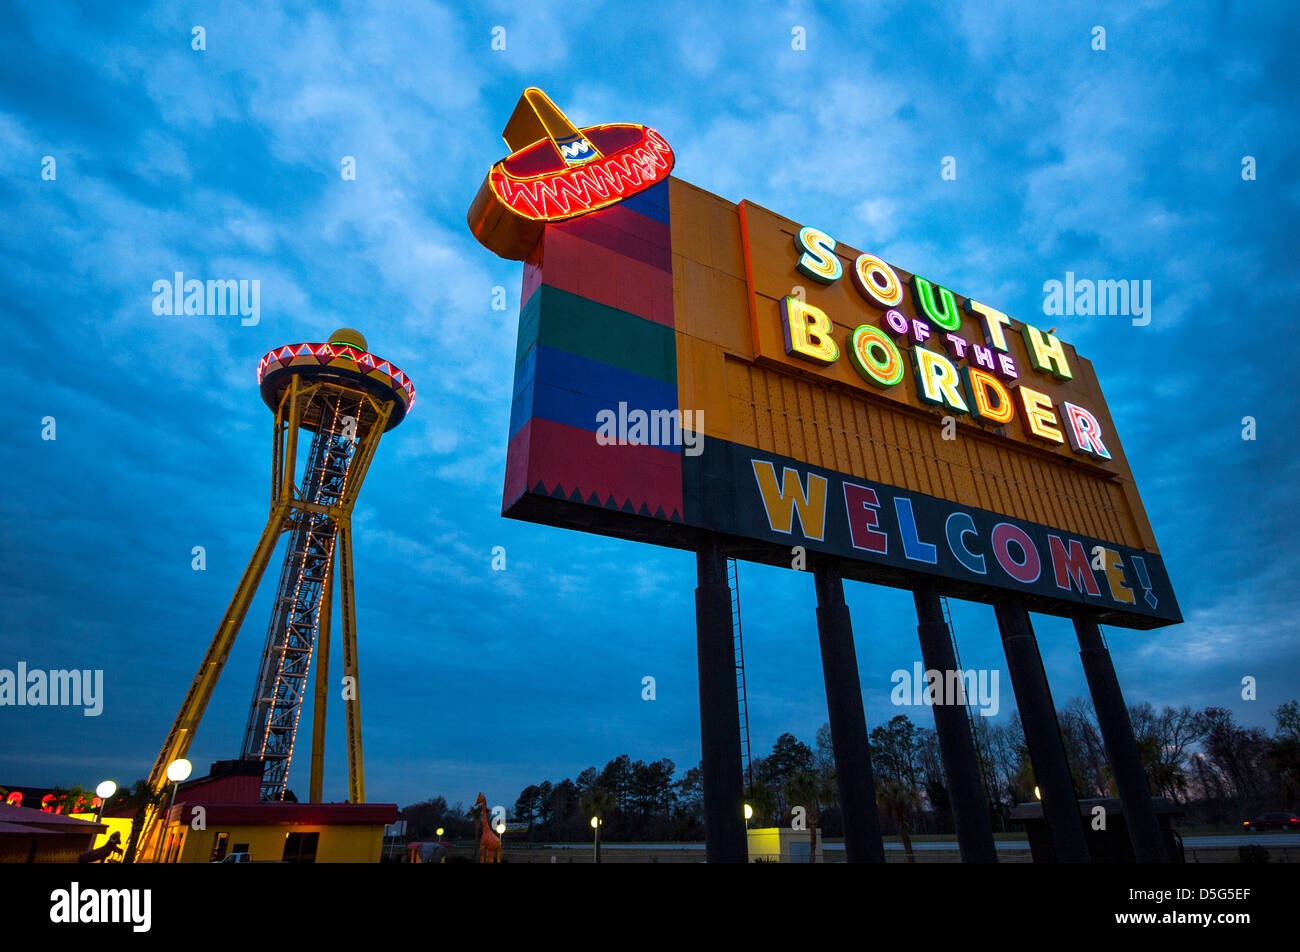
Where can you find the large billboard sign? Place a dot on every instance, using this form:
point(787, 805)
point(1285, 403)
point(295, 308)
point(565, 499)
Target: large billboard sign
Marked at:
point(686, 365)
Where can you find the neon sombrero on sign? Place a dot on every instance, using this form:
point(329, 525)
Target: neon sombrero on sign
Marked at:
point(556, 171)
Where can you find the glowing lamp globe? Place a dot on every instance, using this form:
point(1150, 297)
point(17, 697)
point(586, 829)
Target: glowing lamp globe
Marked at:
point(106, 789)
point(178, 771)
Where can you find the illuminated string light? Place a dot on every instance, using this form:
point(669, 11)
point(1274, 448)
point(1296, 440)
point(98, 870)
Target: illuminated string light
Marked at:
point(282, 693)
point(327, 353)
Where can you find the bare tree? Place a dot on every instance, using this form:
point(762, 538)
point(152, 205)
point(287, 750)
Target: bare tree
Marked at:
point(1164, 741)
point(1083, 748)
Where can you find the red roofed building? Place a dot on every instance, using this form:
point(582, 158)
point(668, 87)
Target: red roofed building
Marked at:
point(225, 804)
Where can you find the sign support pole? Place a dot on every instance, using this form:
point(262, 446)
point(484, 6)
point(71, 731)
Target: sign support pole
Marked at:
point(1121, 746)
point(1042, 732)
point(970, 812)
point(724, 806)
point(848, 723)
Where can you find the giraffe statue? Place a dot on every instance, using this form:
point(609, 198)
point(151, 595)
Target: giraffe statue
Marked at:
point(489, 844)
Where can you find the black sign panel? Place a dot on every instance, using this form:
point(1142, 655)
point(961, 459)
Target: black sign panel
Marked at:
point(745, 492)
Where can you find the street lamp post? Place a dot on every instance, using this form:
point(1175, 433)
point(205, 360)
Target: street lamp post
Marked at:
point(105, 790)
point(595, 825)
point(178, 771)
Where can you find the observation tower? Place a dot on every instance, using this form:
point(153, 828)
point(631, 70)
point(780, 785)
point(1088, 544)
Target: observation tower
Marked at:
point(346, 398)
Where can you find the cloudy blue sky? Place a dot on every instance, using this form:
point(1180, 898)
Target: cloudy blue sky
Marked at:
point(1122, 163)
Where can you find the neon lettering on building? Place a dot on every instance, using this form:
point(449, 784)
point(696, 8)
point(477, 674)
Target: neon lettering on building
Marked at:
point(964, 377)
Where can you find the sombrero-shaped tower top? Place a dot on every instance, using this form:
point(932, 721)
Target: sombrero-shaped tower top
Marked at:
point(343, 360)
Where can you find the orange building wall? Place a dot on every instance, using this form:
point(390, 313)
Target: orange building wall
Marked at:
point(832, 419)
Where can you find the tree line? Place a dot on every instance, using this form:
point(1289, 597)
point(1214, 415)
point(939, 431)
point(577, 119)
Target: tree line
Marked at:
point(1215, 770)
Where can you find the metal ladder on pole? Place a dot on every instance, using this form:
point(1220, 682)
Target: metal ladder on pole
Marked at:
point(733, 582)
point(970, 717)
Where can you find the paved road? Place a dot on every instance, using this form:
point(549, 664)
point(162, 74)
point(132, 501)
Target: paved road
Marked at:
point(1198, 841)
point(1243, 839)
point(1193, 841)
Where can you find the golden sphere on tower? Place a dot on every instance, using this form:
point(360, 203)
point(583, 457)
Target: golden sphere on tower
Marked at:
point(349, 336)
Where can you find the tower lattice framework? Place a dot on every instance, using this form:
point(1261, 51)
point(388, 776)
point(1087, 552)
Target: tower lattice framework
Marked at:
point(347, 398)
point(281, 687)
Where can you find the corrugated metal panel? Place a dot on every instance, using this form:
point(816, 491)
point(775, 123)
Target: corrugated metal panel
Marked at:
point(785, 414)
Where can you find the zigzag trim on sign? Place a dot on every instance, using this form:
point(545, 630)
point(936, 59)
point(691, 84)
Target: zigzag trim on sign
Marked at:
point(627, 505)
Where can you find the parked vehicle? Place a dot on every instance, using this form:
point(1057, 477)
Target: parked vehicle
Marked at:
point(237, 858)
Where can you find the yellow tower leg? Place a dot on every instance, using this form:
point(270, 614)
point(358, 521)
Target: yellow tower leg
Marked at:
point(352, 684)
point(322, 683)
point(288, 420)
point(200, 692)
point(347, 602)
point(181, 735)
